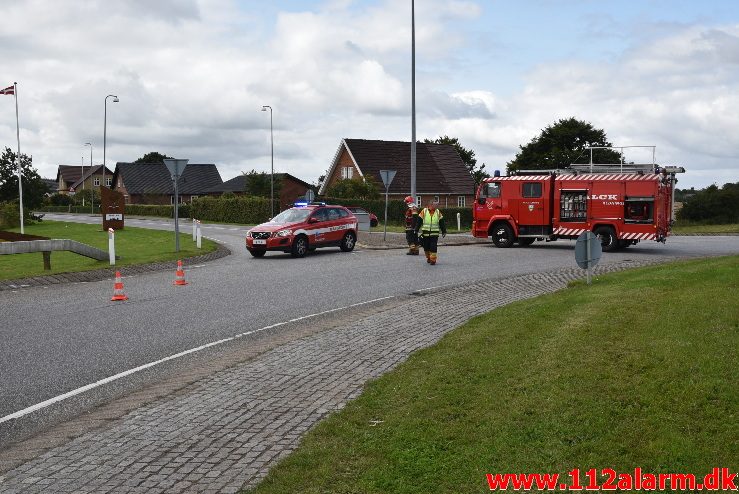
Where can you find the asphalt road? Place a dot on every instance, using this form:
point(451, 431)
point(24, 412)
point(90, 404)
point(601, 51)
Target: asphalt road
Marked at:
point(59, 338)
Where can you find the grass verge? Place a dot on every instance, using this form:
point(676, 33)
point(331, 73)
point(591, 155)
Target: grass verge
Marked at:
point(697, 228)
point(639, 369)
point(133, 245)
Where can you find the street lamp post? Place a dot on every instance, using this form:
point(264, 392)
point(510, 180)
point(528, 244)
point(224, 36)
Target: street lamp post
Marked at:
point(272, 172)
point(92, 196)
point(413, 100)
point(105, 130)
point(82, 177)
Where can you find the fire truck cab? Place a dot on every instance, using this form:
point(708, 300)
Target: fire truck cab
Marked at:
point(622, 205)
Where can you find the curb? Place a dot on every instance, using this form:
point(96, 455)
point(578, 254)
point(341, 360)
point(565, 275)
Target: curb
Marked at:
point(107, 273)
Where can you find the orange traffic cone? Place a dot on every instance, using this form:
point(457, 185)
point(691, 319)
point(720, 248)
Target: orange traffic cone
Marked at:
point(118, 288)
point(179, 275)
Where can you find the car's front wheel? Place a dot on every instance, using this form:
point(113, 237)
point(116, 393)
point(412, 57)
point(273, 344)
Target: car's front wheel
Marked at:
point(348, 242)
point(300, 246)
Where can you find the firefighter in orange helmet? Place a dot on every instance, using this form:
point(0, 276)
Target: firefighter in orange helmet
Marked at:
point(431, 223)
point(411, 220)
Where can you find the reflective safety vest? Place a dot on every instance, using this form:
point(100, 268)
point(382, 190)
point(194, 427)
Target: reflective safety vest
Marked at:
point(431, 221)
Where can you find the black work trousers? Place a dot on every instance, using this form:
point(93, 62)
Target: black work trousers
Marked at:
point(430, 242)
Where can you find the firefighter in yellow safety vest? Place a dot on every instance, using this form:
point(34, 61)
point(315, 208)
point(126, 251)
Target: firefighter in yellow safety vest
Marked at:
point(430, 224)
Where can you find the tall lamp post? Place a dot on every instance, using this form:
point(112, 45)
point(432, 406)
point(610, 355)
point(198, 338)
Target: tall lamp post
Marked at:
point(272, 173)
point(105, 130)
point(82, 177)
point(92, 195)
point(413, 100)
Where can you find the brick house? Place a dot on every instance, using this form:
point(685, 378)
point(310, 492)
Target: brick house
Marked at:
point(440, 172)
point(291, 188)
point(151, 183)
point(69, 178)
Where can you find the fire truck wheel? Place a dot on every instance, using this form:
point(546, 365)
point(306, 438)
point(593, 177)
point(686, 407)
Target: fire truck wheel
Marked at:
point(608, 240)
point(525, 242)
point(348, 242)
point(503, 235)
point(300, 246)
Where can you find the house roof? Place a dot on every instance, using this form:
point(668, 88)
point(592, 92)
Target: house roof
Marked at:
point(238, 183)
point(154, 178)
point(72, 174)
point(439, 169)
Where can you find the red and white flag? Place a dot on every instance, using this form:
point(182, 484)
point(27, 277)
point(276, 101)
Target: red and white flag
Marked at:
point(8, 90)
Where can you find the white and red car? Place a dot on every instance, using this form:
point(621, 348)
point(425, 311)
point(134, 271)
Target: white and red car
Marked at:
point(303, 228)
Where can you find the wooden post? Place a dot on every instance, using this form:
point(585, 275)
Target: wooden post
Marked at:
point(47, 260)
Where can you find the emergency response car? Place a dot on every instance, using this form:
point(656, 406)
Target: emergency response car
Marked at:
point(302, 228)
point(621, 204)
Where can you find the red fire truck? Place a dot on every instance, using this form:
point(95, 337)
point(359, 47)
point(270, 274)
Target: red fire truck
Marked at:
point(622, 204)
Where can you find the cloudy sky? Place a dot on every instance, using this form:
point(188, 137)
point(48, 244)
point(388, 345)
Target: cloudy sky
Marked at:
point(192, 76)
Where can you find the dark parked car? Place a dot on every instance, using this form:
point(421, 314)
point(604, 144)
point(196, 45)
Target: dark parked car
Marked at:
point(357, 209)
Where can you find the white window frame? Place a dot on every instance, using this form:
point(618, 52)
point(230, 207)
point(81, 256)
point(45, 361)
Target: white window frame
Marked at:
point(347, 172)
point(461, 201)
point(108, 181)
point(418, 201)
point(96, 182)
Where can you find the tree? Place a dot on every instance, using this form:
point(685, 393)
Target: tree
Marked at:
point(259, 184)
point(87, 195)
point(712, 205)
point(562, 144)
point(354, 188)
point(477, 173)
point(153, 157)
point(33, 188)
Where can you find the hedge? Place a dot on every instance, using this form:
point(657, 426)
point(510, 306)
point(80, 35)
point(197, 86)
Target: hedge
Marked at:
point(68, 209)
point(246, 210)
point(396, 211)
point(249, 210)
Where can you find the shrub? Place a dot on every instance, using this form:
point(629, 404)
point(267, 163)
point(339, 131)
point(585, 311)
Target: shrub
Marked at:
point(9, 215)
point(60, 200)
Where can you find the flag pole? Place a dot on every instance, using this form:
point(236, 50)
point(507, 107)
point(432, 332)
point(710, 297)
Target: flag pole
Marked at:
point(18, 156)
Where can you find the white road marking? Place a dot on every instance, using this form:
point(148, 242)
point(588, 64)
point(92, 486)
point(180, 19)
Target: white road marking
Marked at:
point(75, 392)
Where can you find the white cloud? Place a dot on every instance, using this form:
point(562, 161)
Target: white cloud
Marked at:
point(193, 75)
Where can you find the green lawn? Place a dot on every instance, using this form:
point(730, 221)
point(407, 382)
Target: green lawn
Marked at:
point(695, 228)
point(639, 369)
point(133, 245)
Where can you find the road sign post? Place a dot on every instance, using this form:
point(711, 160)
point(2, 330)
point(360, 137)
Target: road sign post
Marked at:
point(587, 252)
point(387, 179)
point(176, 167)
